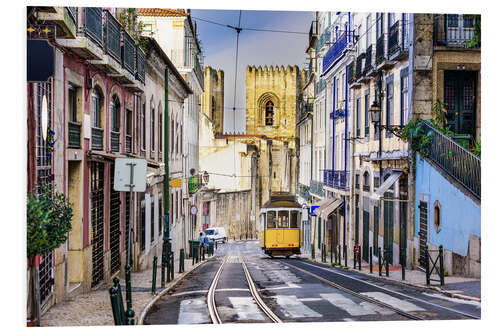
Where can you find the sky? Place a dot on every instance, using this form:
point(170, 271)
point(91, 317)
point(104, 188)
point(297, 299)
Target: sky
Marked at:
point(255, 48)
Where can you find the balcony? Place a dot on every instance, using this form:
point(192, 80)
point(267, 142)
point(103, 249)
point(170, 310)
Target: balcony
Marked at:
point(338, 179)
point(316, 188)
point(304, 192)
point(380, 50)
point(359, 65)
point(350, 73)
point(398, 41)
point(65, 18)
point(74, 135)
point(128, 144)
point(453, 30)
point(339, 113)
point(304, 110)
point(335, 51)
point(313, 33)
point(140, 65)
point(325, 37)
point(369, 60)
point(97, 138)
point(199, 72)
point(115, 141)
point(93, 27)
point(112, 36)
point(319, 86)
point(128, 52)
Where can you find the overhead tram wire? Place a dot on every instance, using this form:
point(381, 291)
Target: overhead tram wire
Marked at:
point(238, 30)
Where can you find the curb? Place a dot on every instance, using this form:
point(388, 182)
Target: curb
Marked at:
point(438, 289)
point(164, 291)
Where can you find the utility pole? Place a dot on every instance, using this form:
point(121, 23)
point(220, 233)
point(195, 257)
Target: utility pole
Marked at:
point(167, 246)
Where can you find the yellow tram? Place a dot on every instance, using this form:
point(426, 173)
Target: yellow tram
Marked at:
point(280, 224)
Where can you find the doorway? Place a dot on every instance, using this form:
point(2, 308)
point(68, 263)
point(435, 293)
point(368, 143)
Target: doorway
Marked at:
point(460, 99)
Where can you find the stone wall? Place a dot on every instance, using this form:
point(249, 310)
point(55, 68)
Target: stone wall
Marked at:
point(233, 213)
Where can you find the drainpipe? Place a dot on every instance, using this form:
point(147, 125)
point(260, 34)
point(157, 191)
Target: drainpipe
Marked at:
point(411, 179)
point(346, 117)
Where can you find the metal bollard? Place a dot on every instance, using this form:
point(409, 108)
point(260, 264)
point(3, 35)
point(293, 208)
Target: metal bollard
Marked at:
point(130, 316)
point(345, 255)
point(172, 268)
point(379, 261)
point(113, 295)
point(153, 282)
point(116, 284)
point(331, 254)
point(163, 260)
point(403, 263)
point(386, 255)
point(427, 273)
point(354, 257)
point(340, 254)
point(312, 252)
point(371, 260)
point(128, 287)
point(359, 259)
point(169, 267)
point(441, 265)
point(181, 261)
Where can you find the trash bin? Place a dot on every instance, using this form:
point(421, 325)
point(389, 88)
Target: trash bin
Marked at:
point(211, 248)
point(194, 245)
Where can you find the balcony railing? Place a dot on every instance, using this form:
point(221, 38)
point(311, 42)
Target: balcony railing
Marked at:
point(335, 51)
point(319, 86)
point(350, 73)
point(140, 65)
point(313, 33)
point(369, 59)
point(304, 192)
point(316, 188)
point(97, 138)
point(336, 179)
point(453, 30)
point(128, 52)
point(398, 40)
point(380, 55)
point(128, 144)
point(73, 13)
point(115, 141)
point(93, 24)
point(74, 135)
point(199, 72)
point(455, 160)
point(359, 65)
point(112, 36)
point(325, 37)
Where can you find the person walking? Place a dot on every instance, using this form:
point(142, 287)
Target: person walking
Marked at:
point(201, 241)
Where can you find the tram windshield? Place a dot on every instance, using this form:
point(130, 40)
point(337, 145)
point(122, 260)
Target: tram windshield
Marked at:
point(283, 219)
point(271, 219)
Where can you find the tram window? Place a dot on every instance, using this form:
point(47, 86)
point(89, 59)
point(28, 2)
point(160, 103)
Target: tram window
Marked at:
point(294, 219)
point(283, 219)
point(271, 219)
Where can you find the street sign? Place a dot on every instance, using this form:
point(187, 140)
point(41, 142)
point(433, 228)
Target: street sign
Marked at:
point(312, 210)
point(130, 171)
point(176, 182)
point(193, 210)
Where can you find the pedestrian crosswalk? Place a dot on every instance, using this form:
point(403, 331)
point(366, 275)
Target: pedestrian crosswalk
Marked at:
point(193, 311)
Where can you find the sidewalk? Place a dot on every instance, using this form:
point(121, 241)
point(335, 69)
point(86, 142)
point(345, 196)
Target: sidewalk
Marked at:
point(455, 286)
point(94, 308)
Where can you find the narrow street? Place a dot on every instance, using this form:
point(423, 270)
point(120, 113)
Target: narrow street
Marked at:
point(295, 290)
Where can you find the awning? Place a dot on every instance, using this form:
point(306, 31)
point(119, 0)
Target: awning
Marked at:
point(331, 208)
point(322, 205)
point(385, 185)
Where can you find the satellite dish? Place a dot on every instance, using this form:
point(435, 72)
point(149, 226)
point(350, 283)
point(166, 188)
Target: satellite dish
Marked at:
point(45, 117)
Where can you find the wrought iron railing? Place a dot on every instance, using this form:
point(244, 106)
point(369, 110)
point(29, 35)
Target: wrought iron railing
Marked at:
point(93, 24)
point(74, 134)
point(316, 188)
point(380, 50)
point(112, 36)
point(453, 30)
point(140, 65)
point(73, 13)
point(313, 32)
point(115, 141)
point(455, 160)
point(325, 37)
point(369, 59)
point(359, 65)
point(319, 86)
point(128, 52)
point(304, 192)
point(199, 72)
point(128, 144)
point(97, 138)
point(336, 178)
point(398, 39)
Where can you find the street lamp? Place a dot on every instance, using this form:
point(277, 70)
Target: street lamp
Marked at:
point(206, 177)
point(375, 111)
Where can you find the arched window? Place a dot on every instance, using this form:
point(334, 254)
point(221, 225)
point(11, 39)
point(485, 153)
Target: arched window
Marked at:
point(437, 216)
point(269, 113)
point(366, 181)
point(97, 101)
point(152, 128)
point(115, 114)
point(213, 108)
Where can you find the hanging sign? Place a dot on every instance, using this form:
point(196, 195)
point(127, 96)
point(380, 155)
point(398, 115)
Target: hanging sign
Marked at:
point(123, 178)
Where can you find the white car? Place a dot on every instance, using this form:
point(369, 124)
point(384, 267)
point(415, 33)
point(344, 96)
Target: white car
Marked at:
point(217, 234)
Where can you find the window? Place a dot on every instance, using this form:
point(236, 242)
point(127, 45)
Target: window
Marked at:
point(152, 230)
point(96, 108)
point(358, 117)
point(452, 20)
point(468, 21)
point(404, 97)
point(160, 132)
point(367, 114)
point(160, 214)
point(271, 219)
point(357, 181)
point(213, 108)
point(143, 126)
point(172, 136)
point(128, 122)
point(380, 22)
point(115, 114)
point(283, 219)
point(294, 217)
point(376, 182)
point(437, 216)
point(72, 102)
point(368, 35)
point(152, 129)
point(390, 105)
point(269, 113)
point(366, 181)
point(390, 19)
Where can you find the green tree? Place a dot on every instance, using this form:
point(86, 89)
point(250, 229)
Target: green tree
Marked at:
point(49, 215)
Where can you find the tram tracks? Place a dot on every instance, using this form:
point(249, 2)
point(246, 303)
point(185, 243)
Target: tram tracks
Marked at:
point(212, 306)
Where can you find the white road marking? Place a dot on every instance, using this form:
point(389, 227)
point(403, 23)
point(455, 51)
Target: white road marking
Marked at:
point(288, 286)
point(347, 304)
point(393, 301)
point(246, 309)
point(456, 300)
point(294, 308)
point(190, 292)
point(193, 311)
point(312, 299)
point(376, 308)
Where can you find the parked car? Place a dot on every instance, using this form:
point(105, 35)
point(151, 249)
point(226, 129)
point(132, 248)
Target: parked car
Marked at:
point(217, 234)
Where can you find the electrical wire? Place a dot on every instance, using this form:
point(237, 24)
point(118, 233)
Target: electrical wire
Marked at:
point(238, 30)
